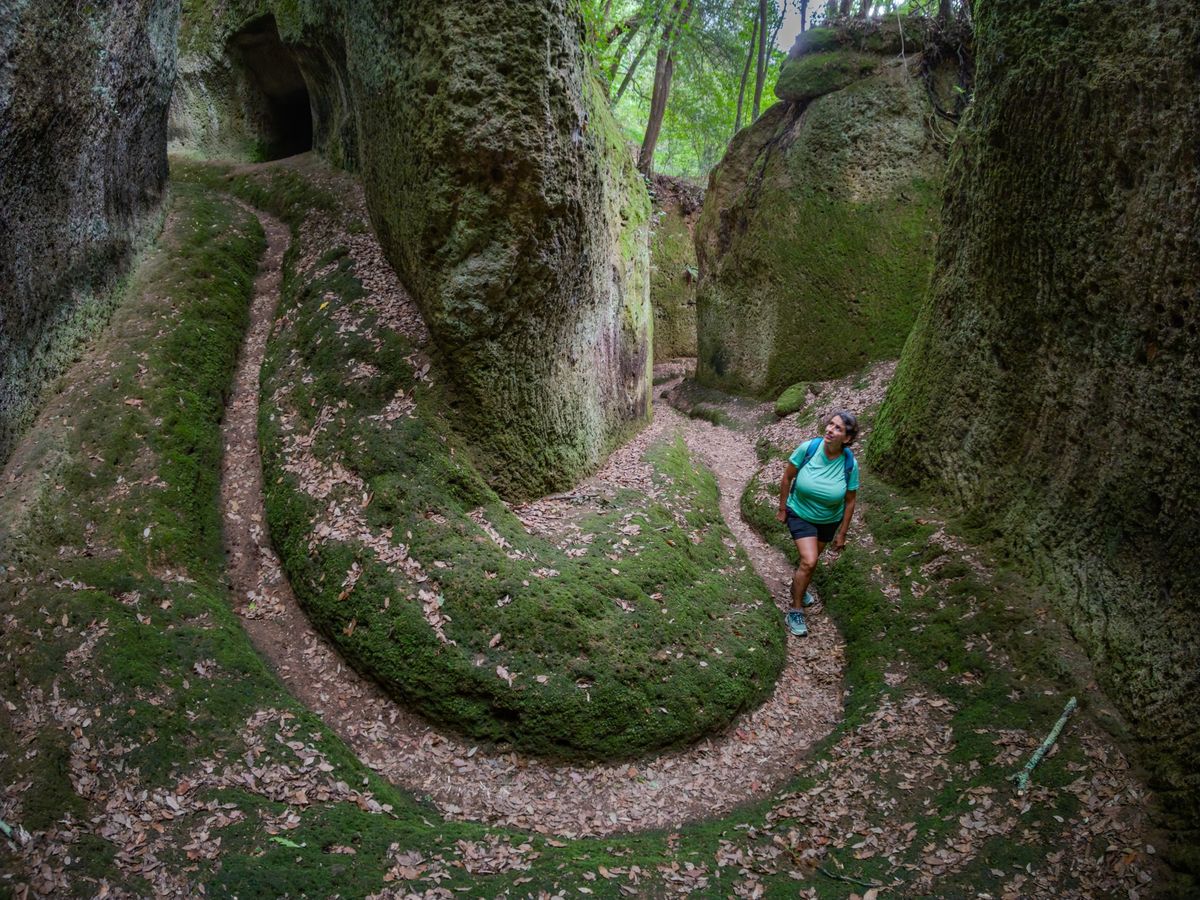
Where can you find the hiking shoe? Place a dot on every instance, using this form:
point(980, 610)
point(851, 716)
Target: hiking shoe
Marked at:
point(796, 624)
point(809, 599)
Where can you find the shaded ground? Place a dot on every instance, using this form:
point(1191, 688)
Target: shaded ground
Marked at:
point(145, 749)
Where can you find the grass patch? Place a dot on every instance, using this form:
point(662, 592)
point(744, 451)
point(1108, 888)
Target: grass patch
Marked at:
point(793, 399)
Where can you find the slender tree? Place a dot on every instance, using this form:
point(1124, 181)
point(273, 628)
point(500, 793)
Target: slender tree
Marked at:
point(633, 66)
point(778, 24)
point(629, 29)
point(737, 122)
point(760, 72)
point(664, 70)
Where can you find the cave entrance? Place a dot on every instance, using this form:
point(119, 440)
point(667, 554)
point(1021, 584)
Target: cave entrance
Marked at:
point(282, 114)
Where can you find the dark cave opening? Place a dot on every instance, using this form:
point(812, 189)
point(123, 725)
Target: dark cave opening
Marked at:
point(285, 116)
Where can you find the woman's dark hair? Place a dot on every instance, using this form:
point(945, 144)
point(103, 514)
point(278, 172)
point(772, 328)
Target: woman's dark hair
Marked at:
point(849, 420)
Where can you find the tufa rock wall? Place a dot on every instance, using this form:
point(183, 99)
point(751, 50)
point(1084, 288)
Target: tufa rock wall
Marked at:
point(1052, 381)
point(83, 99)
point(673, 270)
point(505, 197)
point(816, 238)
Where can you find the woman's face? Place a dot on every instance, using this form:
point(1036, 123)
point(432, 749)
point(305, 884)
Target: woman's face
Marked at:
point(835, 432)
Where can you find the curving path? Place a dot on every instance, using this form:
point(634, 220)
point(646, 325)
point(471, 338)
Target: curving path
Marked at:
point(759, 752)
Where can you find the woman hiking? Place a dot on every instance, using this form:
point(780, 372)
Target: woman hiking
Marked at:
point(816, 500)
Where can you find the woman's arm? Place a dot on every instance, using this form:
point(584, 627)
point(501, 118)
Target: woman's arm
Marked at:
point(839, 540)
point(785, 488)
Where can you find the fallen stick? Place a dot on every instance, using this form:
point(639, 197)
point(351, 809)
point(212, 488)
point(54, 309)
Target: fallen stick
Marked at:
point(872, 884)
point(1022, 777)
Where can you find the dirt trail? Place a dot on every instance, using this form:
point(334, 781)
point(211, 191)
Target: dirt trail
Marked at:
point(481, 783)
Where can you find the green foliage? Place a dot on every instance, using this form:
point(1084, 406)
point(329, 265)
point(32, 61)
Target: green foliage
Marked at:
point(709, 58)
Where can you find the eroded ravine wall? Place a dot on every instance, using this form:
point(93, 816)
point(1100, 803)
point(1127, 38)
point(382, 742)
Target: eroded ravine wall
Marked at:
point(504, 196)
point(1052, 382)
point(816, 238)
point(83, 100)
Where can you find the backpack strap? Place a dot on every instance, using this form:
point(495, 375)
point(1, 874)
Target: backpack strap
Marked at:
point(847, 455)
point(808, 452)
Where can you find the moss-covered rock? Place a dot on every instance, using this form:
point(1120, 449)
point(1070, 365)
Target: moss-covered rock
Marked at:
point(1050, 384)
point(673, 266)
point(83, 97)
point(816, 239)
point(504, 195)
point(816, 74)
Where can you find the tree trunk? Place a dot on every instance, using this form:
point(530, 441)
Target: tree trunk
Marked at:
point(778, 24)
point(844, 9)
point(803, 16)
point(865, 8)
point(737, 122)
point(664, 69)
point(760, 72)
point(633, 66)
point(943, 13)
point(632, 27)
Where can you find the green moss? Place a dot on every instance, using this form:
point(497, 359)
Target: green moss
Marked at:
point(619, 675)
point(793, 399)
point(1102, 523)
point(816, 74)
point(163, 722)
point(816, 239)
point(672, 285)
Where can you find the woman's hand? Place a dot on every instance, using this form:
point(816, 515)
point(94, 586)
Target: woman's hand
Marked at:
point(839, 542)
point(781, 516)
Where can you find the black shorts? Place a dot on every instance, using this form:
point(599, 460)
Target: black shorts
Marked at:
point(802, 528)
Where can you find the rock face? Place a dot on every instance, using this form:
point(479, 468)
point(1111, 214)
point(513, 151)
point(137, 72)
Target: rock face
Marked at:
point(83, 99)
point(816, 239)
point(502, 193)
point(1052, 381)
point(673, 270)
point(247, 92)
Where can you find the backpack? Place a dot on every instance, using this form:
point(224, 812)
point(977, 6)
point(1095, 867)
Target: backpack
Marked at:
point(847, 455)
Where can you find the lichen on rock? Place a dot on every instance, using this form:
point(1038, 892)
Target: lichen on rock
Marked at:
point(1050, 384)
point(673, 270)
point(83, 95)
point(817, 233)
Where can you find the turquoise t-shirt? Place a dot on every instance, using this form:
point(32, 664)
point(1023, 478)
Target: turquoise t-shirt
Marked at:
point(819, 493)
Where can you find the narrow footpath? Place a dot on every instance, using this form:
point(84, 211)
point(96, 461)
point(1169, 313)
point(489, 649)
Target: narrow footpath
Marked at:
point(481, 783)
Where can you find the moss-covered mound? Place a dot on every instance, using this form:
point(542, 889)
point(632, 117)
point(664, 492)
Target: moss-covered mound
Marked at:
point(673, 266)
point(83, 97)
point(1051, 382)
point(816, 238)
point(635, 627)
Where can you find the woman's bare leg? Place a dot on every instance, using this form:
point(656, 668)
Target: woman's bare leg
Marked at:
point(810, 550)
